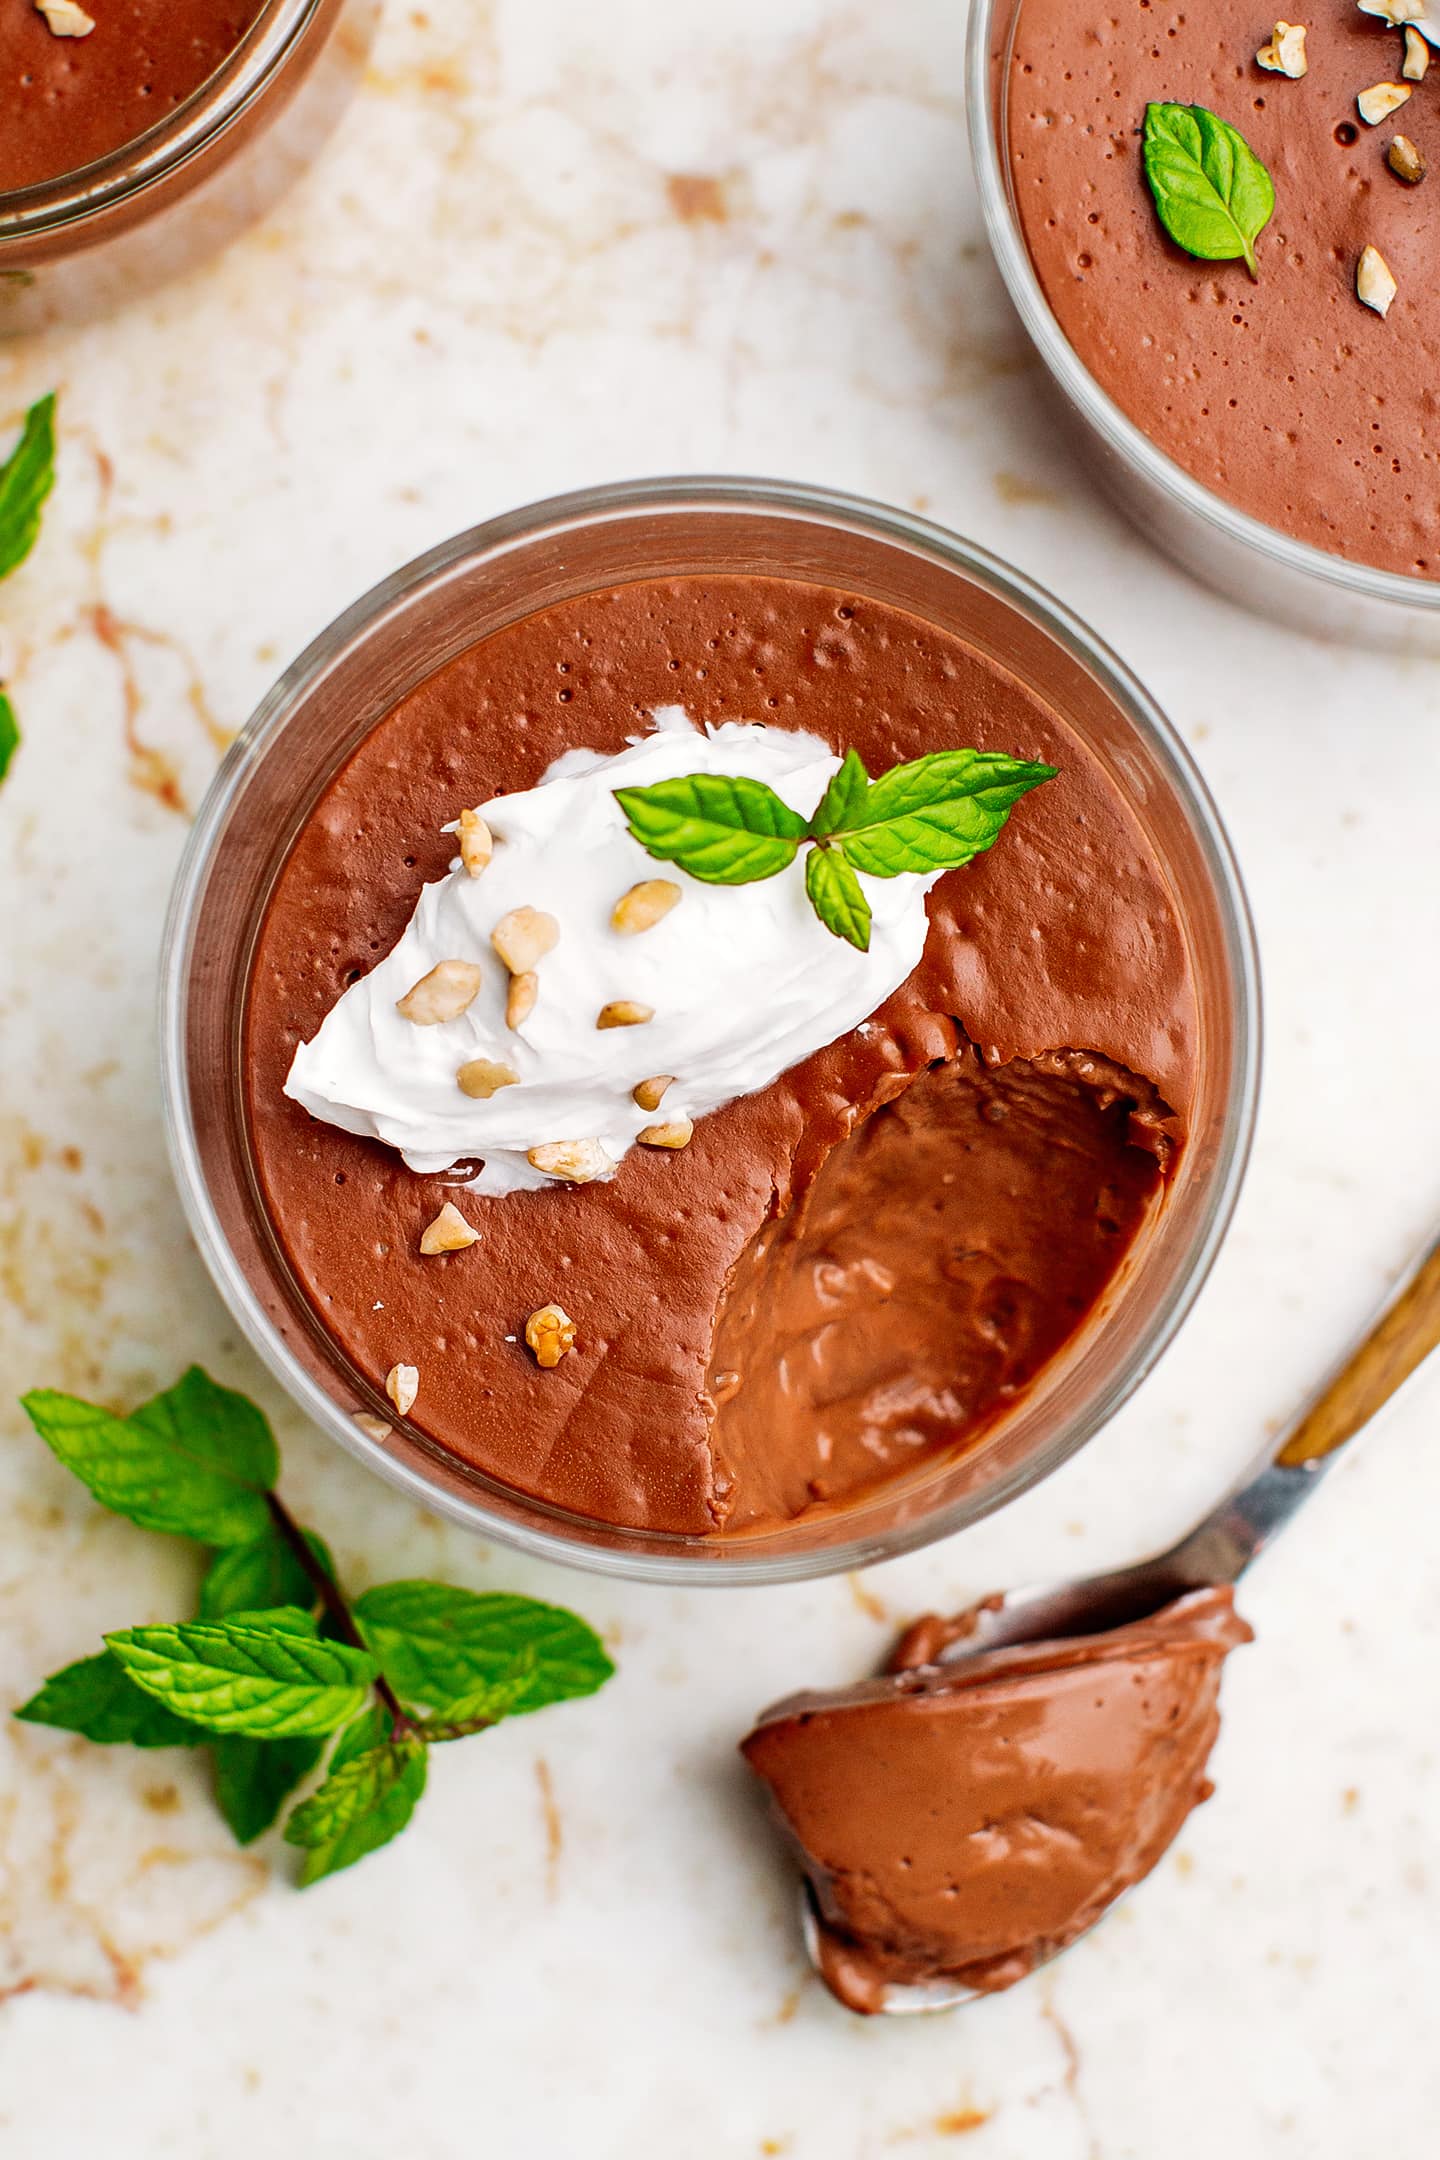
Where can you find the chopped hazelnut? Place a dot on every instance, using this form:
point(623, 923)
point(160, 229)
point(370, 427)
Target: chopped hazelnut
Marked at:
point(1285, 53)
point(677, 1134)
point(1417, 55)
point(374, 1428)
point(1405, 161)
point(578, 1162)
point(624, 1012)
point(1374, 283)
point(520, 999)
point(649, 1094)
point(477, 843)
point(644, 905)
point(402, 1385)
point(550, 1332)
point(448, 1233)
point(65, 18)
point(524, 936)
point(1380, 100)
point(447, 991)
point(1394, 11)
point(481, 1078)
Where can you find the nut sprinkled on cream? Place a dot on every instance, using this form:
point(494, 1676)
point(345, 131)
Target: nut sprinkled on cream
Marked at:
point(550, 1333)
point(481, 1078)
point(65, 18)
point(624, 1012)
point(1405, 161)
point(448, 1233)
point(644, 905)
point(649, 1094)
point(577, 1162)
point(1374, 283)
point(1285, 53)
point(374, 1428)
point(677, 1134)
point(449, 989)
point(477, 843)
point(1380, 100)
point(402, 1385)
point(520, 999)
point(524, 936)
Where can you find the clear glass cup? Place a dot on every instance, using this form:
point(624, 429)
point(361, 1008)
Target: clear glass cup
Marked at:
point(416, 622)
point(1283, 579)
point(78, 245)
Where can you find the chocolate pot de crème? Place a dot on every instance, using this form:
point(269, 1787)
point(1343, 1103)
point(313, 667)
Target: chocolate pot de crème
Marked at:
point(848, 1275)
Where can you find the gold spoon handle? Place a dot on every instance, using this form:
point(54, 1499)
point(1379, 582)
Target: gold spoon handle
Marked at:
point(1403, 1335)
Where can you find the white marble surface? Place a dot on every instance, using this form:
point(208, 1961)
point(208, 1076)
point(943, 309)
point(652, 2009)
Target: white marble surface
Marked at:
point(579, 241)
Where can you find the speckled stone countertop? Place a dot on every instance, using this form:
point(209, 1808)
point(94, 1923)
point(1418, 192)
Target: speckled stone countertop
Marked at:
point(551, 246)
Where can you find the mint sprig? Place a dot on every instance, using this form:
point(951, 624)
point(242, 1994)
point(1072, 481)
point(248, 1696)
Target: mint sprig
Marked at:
point(934, 813)
point(26, 478)
point(1212, 194)
point(279, 1659)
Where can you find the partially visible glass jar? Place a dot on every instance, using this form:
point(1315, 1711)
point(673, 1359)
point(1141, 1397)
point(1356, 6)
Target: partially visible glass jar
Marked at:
point(84, 242)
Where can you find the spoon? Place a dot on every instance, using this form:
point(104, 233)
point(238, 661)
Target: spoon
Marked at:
point(1219, 1548)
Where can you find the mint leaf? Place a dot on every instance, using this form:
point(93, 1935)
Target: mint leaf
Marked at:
point(360, 1807)
point(843, 799)
point(1213, 195)
point(259, 1675)
point(362, 1733)
point(938, 812)
point(836, 897)
point(26, 478)
point(194, 1461)
point(97, 1697)
point(470, 1653)
point(254, 1778)
point(264, 1572)
point(723, 831)
point(9, 734)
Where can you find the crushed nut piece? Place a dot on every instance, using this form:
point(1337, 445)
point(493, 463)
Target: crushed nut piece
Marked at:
point(1405, 161)
point(477, 843)
point(1380, 100)
point(448, 1233)
point(578, 1162)
point(1417, 55)
point(65, 18)
point(1285, 53)
point(550, 1332)
point(520, 999)
point(402, 1385)
point(1394, 11)
point(649, 1094)
point(374, 1428)
point(677, 1134)
point(644, 905)
point(1374, 283)
point(447, 991)
point(524, 936)
point(483, 1077)
point(624, 1012)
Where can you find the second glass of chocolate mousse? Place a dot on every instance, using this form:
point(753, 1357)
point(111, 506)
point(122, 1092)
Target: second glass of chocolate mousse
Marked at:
point(1213, 227)
point(710, 1031)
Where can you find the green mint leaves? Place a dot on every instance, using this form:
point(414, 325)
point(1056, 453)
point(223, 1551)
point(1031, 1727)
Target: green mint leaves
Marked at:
point(26, 478)
point(935, 813)
point(278, 1660)
point(1213, 195)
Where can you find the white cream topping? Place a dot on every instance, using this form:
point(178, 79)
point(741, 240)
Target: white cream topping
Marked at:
point(745, 981)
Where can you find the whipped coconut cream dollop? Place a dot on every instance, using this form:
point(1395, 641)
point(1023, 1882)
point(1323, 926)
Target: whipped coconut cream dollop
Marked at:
point(744, 980)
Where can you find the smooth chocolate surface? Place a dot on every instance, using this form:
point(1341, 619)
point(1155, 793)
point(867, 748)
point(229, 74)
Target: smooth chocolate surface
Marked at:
point(1286, 396)
point(66, 101)
point(1063, 937)
point(962, 1823)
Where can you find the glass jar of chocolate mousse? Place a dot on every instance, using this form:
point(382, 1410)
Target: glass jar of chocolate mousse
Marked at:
point(835, 1301)
point(1274, 433)
point(137, 139)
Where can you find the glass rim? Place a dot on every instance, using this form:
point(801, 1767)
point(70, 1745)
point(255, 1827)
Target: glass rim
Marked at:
point(51, 206)
point(721, 1564)
point(1117, 431)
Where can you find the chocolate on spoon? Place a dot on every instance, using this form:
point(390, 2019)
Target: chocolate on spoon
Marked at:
point(972, 1812)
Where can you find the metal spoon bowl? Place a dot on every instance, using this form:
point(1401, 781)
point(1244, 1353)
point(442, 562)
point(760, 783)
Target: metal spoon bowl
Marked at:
point(1219, 1548)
